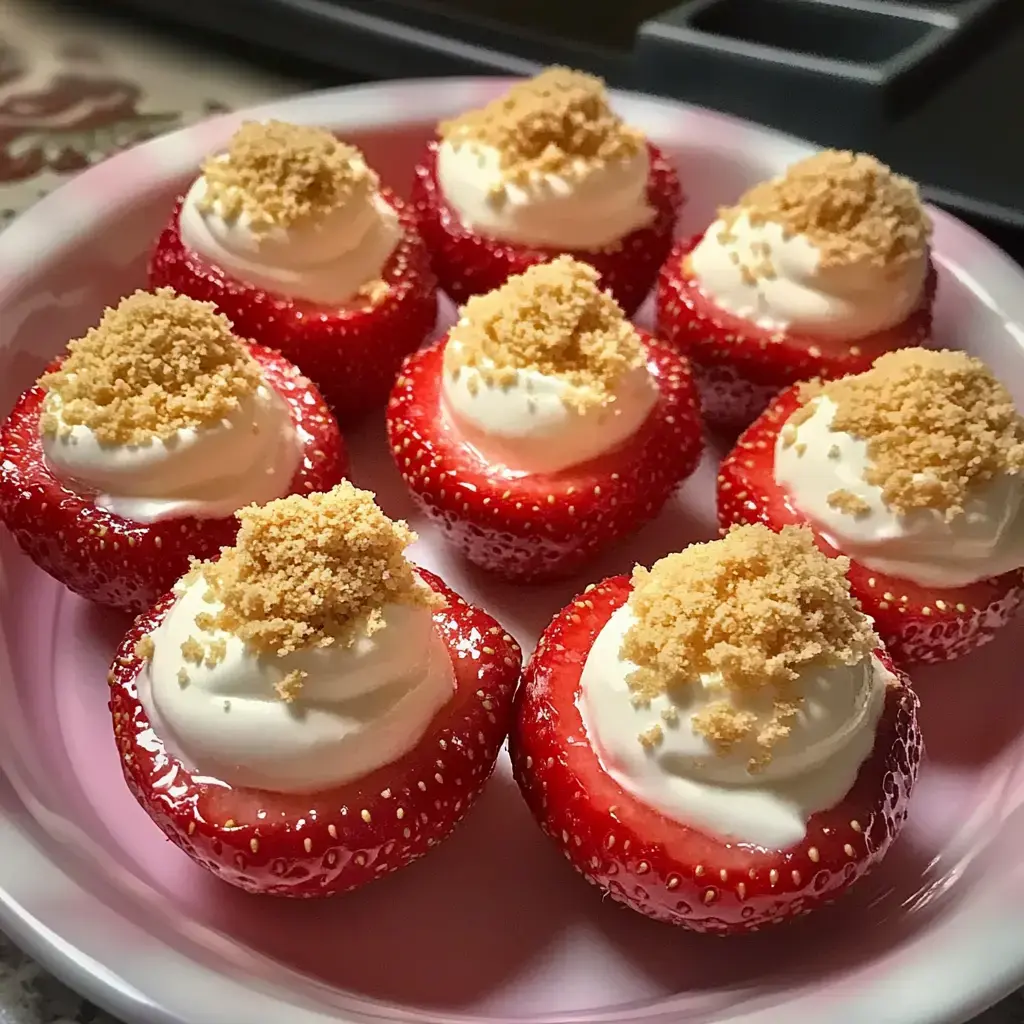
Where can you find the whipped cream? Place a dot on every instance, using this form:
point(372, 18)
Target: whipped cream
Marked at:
point(325, 261)
point(529, 428)
point(208, 472)
point(920, 546)
point(359, 707)
point(592, 208)
point(843, 302)
point(687, 779)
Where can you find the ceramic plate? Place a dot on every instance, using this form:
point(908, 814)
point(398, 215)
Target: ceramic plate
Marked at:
point(492, 926)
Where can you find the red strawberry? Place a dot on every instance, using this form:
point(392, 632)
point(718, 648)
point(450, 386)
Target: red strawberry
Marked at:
point(740, 367)
point(467, 264)
point(336, 840)
point(352, 353)
point(917, 624)
point(118, 562)
point(660, 867)
point(540, 525)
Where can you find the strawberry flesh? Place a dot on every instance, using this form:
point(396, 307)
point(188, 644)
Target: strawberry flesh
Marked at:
point(121, 563)
point(917, 624)
point(336, 840)
point(740, 367)
point(468, 264)
point(661, 867)
point(351, 353)
point(540, 526)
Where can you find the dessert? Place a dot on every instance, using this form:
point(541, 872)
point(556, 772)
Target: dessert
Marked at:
point(813, 274)
point(310, 711)
point(547, 168)
point(137, 446)
point(718, 742)
point(913, 470)
point(544, 426)
point(291, 235)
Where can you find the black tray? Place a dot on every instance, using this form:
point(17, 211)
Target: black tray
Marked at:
point(931, 86)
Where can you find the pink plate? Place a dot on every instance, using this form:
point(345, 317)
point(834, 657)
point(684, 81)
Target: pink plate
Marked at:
point(492, 926)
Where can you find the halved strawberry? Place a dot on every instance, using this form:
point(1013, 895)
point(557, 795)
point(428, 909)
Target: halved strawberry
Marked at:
point(118, 562)
point(538, 526)
point(668, 870)
point(917, 624)
point(468, 264)
point(352, 353)
point(333, 841)
point(740, 367)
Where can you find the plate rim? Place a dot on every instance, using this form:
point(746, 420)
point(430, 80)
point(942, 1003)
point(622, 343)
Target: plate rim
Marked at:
point(64, 215)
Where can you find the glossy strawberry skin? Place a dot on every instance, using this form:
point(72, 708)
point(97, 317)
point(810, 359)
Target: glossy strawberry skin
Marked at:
point(740, 367)
point(540, 526)
point(917, 624)
point(468, 264)
point(118, 562)
point(667, 870)
point(337, 840)
point(353, 353)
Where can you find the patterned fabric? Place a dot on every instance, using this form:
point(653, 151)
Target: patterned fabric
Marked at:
point(73, 92)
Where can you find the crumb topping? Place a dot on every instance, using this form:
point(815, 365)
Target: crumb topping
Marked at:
point(311, 571)
point(753, 609)
point(280, 173)
point(850, 205)
point(156, 363)
point(937, 424)
point(848, 502)
point(553, 319)
point(559, 122)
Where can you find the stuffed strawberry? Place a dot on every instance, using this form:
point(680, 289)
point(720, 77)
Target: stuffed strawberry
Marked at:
point(544, 427)
point(814, 274)
point(718, 743)
point(913, 470)
point(291, 236)
point(310, 712)
point(546, 169)
point(133, 452)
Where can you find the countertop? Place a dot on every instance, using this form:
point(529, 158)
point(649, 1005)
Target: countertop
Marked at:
point(73, 90)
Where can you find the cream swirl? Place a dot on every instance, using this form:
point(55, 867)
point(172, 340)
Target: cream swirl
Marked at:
point(802, 293)
point(326, 260)
point(209, 471)
point(592, 206)
point(923, 545)
point(688, 779)
point(359, 707)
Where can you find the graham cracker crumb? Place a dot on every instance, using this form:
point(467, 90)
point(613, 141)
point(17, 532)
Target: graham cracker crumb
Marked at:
point(848, 502)
point(651, 737)
point(754, 609)
point(553, 319)
point(850, 205)
point(279, 174)
point(193, 651)
point(936, 423)
point(144, 647)
point(156, 364)
point(289, 688)
point(559, 122)
point(183, 678)
point(310, 571)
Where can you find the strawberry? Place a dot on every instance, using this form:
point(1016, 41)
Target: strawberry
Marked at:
point(118, 562)
point(917, 624)
point(351, 353)
point(537, 526)
point(333, 841)
point(468, 264)
point(668, 870)
point(740, 367)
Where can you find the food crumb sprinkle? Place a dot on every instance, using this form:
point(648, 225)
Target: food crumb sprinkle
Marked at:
point(553, 319)
point(559, 122)
point(751, 610)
